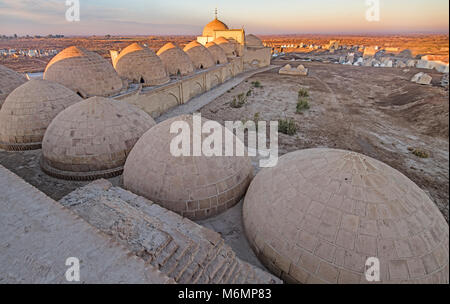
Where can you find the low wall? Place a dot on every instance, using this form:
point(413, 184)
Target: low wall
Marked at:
point(158, 100)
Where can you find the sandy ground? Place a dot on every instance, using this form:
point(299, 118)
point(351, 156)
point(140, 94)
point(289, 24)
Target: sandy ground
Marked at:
point(374, 111)
point(26, 165)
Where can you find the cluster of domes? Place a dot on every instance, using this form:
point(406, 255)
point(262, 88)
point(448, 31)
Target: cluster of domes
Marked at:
point(85, 72)
point(228, 46)
point(28, 111)
point(196, 187)
point(219, 55)
point(92, 139)
point(9, 80)
point(215, 25)
point(141, 65)
point(199, 55)
point(320, 214)
point(176, 61)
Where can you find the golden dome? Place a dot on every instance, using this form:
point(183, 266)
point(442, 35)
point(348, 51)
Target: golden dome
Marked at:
point(215, 25)
point(29, 110)
point(84, 72)
point(141, 65)
point(92, 139)
point(175, 60)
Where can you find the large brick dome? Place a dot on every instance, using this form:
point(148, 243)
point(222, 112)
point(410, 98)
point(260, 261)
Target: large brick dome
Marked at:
point(175, 60)
point(196, 187)
point(320, 214)
point(199, 55)
point(253, 41)
point(141, 65)
point(9, 80)
point(228, 46)
point(28, 111)
point(219, 55)
point(92, 139)
point(84, 72)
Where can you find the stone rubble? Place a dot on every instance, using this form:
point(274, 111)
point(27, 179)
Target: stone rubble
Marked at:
point(181, 249)
point(422, 78)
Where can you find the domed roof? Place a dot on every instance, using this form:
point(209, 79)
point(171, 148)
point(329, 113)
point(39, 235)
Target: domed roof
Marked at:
point(141, 65)
point(175, 60)
point(253, 41)
point(226, 45)
point(219, 55)
point(92, 139)
point(320, 214)
point(9, 80)
point(215, 25)
point(199, 55)
point(84, 72)
point(196, 187)
point(28, 111)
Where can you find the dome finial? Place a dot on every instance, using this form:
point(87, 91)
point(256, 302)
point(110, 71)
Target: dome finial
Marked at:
point(215, 13)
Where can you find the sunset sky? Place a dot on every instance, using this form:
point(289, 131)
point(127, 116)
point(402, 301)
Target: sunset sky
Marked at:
point(152, 17)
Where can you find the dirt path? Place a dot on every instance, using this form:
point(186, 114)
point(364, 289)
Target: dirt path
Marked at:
point(198, 102)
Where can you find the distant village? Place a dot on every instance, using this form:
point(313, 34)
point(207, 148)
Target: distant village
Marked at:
point(368, 56)
point(13, 53)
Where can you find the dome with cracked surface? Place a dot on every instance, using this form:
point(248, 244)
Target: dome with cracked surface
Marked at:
point(9, 81)
point(176, 61)
point(29, 110)
point(215, 25)
point(219, 55)
point(92, 139)
point(199, 55)
point(321, 214)
point(141, 65)
point(228, 46)
point(196, 187)
point(85, 72)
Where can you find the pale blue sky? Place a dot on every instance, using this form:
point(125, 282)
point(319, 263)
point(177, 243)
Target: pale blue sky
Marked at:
point(147, 17)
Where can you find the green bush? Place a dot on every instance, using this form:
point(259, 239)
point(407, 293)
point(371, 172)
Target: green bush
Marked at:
point(421, 154)
point(303, 93)
point(302, 105)
point(287, 126)
point(256, 84)
point(239, 101)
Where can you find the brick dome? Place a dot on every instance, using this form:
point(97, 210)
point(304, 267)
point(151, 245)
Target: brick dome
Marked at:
point(321, 213)
point(199, 55)
point(215, 25)
point(9, 80)
point(141, 65)
point(28, 111)
point(84, 72)
point(219, 55)
point(175, 60)
point(92, 139)
point(253, 41)
point(226, 45)
point(196, 187)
